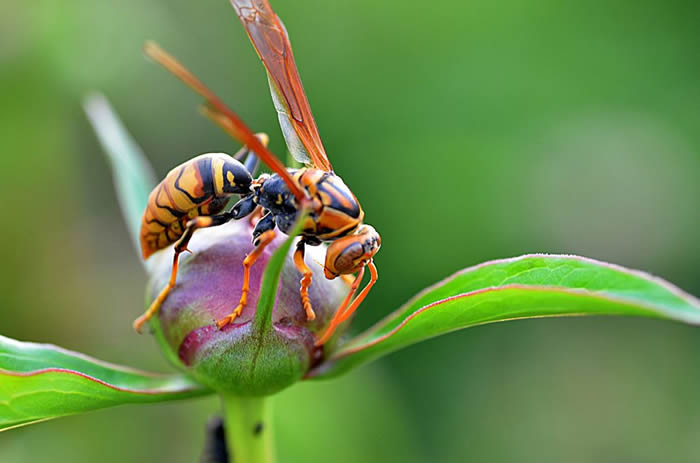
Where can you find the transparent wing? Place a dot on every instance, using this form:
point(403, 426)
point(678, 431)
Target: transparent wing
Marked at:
point(271, 41)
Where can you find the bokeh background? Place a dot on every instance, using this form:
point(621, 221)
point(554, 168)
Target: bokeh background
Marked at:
point(469, 130)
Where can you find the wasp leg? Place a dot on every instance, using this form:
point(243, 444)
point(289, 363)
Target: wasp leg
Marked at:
point(251, 163)
point(305, 279)
point(354, 284)
point(180, 247)
point(348, 279)
point(243, 208)
point(338, 314)
point(262, 242)
point(265, 224)
point(374, 276)
point(344, 313)
point(263, 234)
point(251, 160)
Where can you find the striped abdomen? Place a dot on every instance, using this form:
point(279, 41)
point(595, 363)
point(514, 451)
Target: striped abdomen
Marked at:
point(200, 186)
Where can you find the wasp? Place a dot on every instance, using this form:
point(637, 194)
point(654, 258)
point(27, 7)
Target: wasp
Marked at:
point(194, 194)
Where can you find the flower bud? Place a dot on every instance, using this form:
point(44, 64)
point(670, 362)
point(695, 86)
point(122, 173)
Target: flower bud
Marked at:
point(237, 359)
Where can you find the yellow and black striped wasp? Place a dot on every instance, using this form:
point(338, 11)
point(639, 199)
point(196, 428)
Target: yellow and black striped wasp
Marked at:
point(194, 194)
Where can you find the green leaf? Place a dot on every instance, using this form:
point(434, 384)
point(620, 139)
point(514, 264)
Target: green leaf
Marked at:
point(133, 176)
point(39, 382)
point(510, 289)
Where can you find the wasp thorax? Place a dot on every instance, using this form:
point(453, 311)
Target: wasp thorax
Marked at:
point(236, 359)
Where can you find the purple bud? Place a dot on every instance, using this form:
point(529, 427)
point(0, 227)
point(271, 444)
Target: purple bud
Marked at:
point(237, 359)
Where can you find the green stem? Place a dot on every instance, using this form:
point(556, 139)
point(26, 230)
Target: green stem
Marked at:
point(248, 424)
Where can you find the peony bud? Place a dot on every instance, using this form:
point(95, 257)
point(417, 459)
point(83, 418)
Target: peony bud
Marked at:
point(237, 359)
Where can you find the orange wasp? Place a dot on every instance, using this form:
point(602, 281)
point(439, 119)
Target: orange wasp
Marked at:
point(194, 194)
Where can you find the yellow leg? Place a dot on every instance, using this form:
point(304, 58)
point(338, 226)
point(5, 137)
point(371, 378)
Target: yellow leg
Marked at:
point(345, 312)
point(264, 239)
point(180, 247)
point(155, 305)
point(346, 302)
point(334, 322)
point(305, 280)
point(373, 277)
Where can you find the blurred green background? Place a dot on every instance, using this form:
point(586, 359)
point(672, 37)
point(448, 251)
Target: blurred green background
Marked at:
point(469, 131)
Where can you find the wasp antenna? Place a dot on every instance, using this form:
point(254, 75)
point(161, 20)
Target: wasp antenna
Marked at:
point(160, 56)
point(222, 115)
point(218, 119)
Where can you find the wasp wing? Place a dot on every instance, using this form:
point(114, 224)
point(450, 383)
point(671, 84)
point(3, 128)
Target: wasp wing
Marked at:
point(271, 41)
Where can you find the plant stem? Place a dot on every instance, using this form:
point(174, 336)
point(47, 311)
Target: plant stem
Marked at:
point(248, 425)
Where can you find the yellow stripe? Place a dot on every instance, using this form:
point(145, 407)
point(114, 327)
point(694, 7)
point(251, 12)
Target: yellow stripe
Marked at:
point(217, 167)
